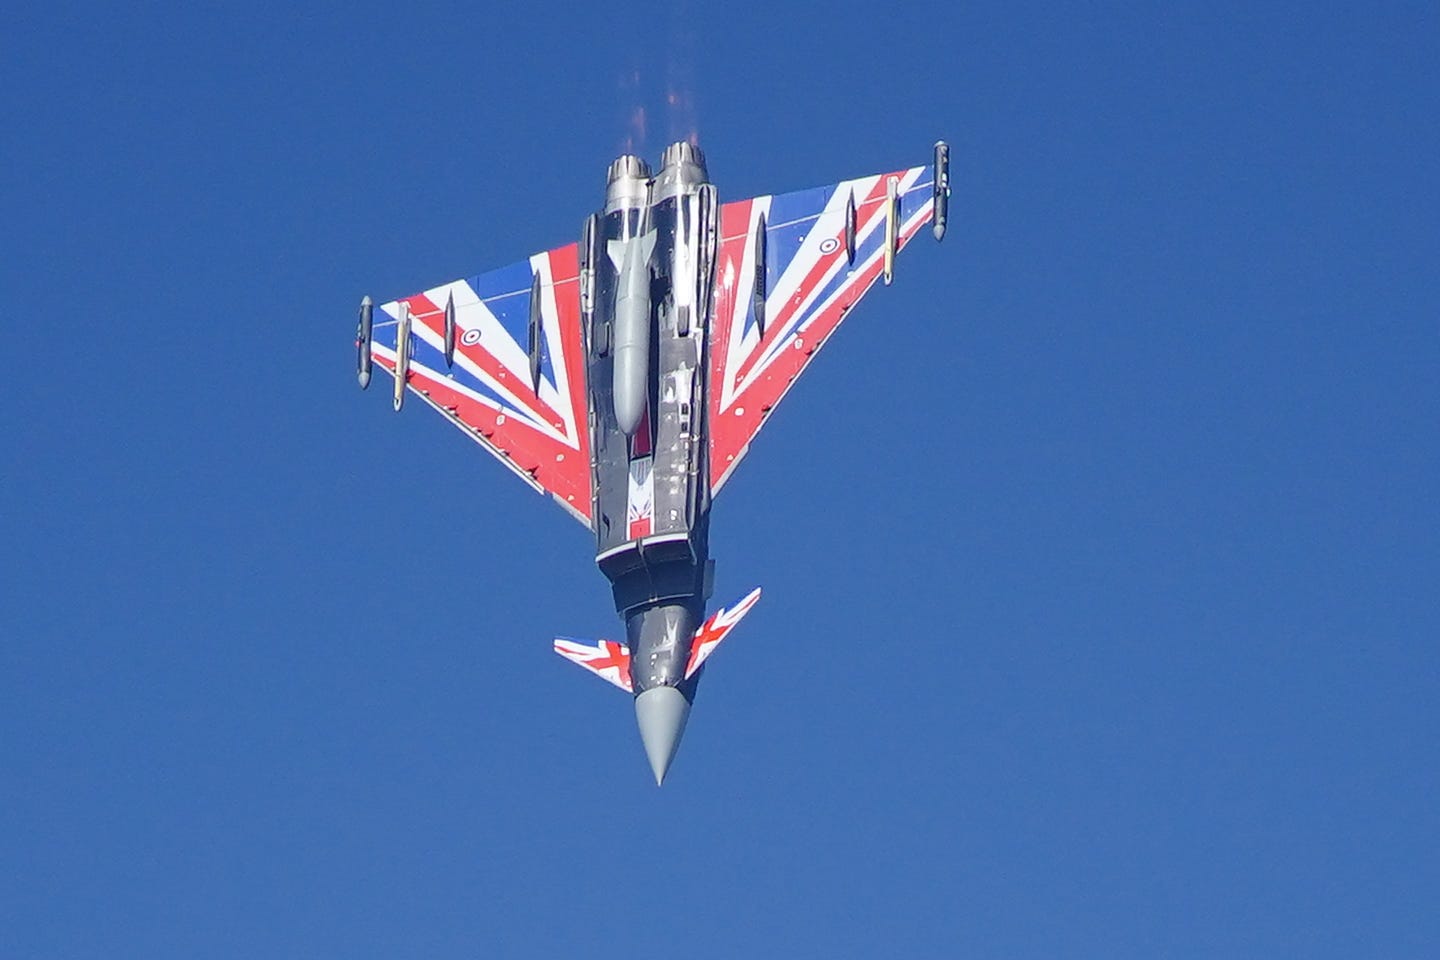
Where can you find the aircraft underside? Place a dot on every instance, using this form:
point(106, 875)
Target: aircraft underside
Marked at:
point(626, 376)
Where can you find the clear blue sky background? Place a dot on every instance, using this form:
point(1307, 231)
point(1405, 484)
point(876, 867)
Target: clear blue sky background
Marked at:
point(1100, 552)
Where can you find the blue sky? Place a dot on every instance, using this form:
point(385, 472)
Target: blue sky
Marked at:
point(1099, 553)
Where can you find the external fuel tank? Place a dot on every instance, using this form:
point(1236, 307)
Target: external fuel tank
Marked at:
point(629, 250)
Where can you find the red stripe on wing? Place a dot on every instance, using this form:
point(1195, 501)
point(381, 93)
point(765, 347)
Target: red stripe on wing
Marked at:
point(735, 238)
point(560, 468)
point(731, 431)
point(868, 209)
point(423, 310)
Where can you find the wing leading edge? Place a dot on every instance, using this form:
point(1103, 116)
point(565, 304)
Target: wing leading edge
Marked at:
point(790, 266)
point(501, 355)
point(517, 383)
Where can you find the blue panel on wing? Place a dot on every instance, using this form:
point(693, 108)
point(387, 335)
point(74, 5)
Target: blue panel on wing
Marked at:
point(506, 293)
point(384, 329)
point(425, 354)
point(918, 195)
point(792, 217)
point(798, 205)
point(787, 224)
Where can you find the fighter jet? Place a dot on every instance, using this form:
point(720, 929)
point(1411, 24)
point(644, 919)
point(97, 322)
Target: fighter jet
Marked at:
point(626, 375)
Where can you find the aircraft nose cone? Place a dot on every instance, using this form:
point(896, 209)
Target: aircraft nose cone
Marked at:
point(661, 713)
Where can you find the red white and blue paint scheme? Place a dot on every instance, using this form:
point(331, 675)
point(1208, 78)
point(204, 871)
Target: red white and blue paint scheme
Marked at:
point(626, 376)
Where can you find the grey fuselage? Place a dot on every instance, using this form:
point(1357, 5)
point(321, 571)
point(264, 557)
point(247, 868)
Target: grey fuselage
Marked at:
point(647, 266)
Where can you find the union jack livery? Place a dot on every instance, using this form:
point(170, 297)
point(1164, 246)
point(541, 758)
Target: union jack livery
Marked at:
point(610, 661)
point(626, 376)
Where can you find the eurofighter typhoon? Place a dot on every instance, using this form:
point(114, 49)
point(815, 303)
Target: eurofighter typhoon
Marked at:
point(626, 375)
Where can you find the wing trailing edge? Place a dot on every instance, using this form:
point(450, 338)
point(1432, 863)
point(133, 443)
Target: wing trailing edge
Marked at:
point(501, 356)
point(790, 267)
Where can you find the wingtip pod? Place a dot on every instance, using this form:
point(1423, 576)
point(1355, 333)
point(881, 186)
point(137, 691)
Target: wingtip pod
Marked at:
point(942, 189)
point(362, 341)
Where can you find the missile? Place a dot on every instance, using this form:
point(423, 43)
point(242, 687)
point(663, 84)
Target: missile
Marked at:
point(631, 258)
point(761, 289)
point(362, 342)
point(588, 236)
point(683, 279)
point(627, 192)
point(450, 330)
point(850, 228)
point(535, 334)
point(942, 188)
point(709, 238)
point(892, 226)
point(402, 355)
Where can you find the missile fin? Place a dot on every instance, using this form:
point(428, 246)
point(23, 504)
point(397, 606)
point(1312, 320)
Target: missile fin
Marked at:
point(615, 250)
point(647, 246)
